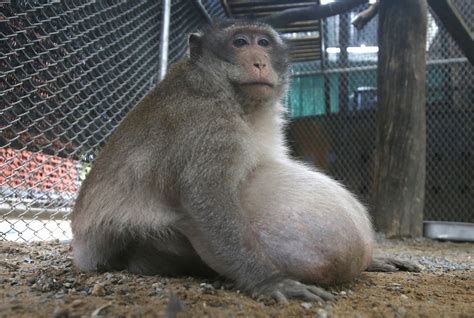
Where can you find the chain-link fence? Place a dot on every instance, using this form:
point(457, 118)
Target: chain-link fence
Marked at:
point(71, 70)
point(333, 113)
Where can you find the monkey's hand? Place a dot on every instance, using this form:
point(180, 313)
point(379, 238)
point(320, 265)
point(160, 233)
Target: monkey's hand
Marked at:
point(387, 264)
point(286, 289)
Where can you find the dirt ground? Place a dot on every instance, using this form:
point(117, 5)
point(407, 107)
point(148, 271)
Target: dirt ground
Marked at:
point(38, 280)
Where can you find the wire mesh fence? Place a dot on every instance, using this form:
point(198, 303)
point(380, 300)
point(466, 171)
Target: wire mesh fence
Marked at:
point(333, 124)
point(70, 71)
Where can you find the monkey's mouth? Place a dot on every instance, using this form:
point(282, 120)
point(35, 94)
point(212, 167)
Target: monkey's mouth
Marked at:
point(257, 84)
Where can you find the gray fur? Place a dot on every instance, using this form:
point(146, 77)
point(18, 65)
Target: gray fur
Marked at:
point(197, 180)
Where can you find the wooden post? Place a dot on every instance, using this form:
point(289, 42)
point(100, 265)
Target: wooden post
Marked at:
point(344, 37)
point(324, 58)
point(457, 27)
point(401, 118)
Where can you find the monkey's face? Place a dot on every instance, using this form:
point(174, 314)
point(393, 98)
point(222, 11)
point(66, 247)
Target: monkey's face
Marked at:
point(250, 57)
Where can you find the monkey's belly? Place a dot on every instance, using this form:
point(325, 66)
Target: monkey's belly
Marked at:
point(311, 227)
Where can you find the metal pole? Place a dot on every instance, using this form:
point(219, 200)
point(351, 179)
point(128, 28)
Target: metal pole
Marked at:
point(164, 38)
point(202, 8)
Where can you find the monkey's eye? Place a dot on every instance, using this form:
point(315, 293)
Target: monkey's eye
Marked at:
point(263, 42)
point(240, 42)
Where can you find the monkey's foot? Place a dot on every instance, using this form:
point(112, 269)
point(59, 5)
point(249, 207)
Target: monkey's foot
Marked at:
point(387, 264)
point(292, 289)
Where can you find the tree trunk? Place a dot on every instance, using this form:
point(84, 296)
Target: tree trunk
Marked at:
point(401, 118)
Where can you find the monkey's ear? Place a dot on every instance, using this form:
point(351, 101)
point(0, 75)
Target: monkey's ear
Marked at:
point(195, 45)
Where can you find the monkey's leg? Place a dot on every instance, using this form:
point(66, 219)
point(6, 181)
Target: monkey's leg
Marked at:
point(217, 226)
point(169, 255)
point(101, 251)
point(387, 264)
point(172, 256)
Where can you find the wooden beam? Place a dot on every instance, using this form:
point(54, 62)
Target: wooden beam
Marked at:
point(365, 16)
point(456, 26)
point(311, 12)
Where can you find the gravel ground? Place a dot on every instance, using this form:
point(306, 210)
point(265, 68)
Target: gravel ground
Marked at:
point(38, 280)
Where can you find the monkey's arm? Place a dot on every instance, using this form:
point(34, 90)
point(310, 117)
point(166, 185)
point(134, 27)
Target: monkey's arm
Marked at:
point(217, 226)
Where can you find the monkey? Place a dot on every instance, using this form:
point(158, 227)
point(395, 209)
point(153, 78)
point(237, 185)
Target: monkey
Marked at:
point(198, 180)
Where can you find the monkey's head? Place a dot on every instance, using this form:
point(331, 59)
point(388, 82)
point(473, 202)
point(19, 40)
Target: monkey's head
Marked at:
point(250, 58)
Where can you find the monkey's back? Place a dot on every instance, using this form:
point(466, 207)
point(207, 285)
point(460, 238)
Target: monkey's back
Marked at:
point(135, 161)
point(148, 151)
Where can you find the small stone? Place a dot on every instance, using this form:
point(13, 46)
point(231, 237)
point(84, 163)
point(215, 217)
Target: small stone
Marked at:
point(71, 291)
point(28, 260)
point(322, 313)
point(393, 287)
point(60, 312)
point(124, 291)
point(400, 312)
point(403, 297)
point(343, 293)
point(109, 276)
point(207, 288)
point(60, 294)
point(306, 305)
point(260, 298)
point(98, 290)
point(77, 303)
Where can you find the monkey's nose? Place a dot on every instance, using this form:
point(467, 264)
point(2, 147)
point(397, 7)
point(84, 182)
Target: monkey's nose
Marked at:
point(260, 66)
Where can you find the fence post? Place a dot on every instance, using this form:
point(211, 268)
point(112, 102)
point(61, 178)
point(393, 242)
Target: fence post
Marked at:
point(344, 37)
point(401, 118)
